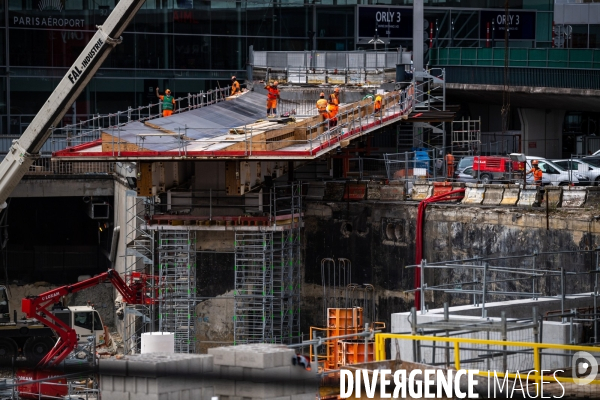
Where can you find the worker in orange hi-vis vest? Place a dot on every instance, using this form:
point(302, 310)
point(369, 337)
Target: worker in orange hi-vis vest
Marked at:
point(272, 96)
point(377, 107)
point(235, 86)
point(449, 165)
point(322, 106)
point(333, 106)
point(537, 173)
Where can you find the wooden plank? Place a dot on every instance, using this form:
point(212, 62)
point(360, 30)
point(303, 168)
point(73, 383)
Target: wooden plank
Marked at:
point(159, 128)
point(232, 178)
point(144, 183)
point(111, 143)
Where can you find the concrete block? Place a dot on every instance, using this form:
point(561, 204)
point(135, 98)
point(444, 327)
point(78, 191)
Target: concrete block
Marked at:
point(228, 372)
point(593, 197)
point(421, 191)
point(392, 193)
point(474, 194)
point(493, 195)
point(334, 191)
point(223, 355)
point(279, 398)
point(573, 196)
point(355, 191)
point(553, 195)
point(277, 374)
point(106, 383)
point(374, 190)
point(510, 196)
point(119, 383)
point(258, 390)
point(527, 196)
point(207, 393)
point(224, 387)
point(118, 395)
point(112, 366)
point(304, 396)
point(175, 395)
point(316, 191)
point(262, 356)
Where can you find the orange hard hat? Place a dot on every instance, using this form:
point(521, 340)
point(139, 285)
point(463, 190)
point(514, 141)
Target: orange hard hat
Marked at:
point(167, 91)
point(534, 162)
point(337, 90)
point(322, 94)
point(233, 78)
point(275, 83)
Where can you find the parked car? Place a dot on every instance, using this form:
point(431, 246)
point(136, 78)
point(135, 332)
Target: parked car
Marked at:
point(580, 166)
point(557, 175)
point(464, 162)
point(468, 176)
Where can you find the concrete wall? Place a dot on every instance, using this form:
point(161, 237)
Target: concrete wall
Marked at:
point(66, 186)
point(379, 239)
point(542, 132)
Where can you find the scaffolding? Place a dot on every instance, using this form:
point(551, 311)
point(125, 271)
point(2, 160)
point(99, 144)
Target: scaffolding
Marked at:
point(177, 276)
point(267, 273)
point(139, 258)
point(466, 137)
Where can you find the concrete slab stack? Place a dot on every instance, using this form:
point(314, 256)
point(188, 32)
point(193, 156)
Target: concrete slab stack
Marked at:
point(374, 190)
point(474, 194)
point(261, 371)
point(251, 372)
point(573, 196)
point(493, 195)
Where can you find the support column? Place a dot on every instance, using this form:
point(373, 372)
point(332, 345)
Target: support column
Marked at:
point(542, 131)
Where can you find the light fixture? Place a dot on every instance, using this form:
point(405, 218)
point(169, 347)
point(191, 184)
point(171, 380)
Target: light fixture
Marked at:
point(132, 182)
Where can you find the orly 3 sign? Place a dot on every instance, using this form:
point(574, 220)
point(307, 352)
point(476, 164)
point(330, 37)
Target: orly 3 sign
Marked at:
point(392, 22)
point(521, 24)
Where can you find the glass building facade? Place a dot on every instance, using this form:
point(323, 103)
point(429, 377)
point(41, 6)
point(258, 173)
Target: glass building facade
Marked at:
point(194, 45)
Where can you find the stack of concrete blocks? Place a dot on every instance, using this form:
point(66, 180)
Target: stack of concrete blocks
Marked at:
point(157, 376)
point(262, 371)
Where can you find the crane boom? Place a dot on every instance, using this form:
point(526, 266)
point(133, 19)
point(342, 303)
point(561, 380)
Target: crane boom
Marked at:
point(24, 150)
point(37, 307)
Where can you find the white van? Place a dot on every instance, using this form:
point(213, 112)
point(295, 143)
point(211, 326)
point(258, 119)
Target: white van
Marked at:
point(557, 175)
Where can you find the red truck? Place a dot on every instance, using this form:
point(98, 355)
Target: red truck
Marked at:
point(495, 168)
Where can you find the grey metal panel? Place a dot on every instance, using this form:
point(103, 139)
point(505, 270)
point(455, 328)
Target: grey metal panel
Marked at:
point(297, 59)
point(356, 60)
point(320, 59)
point(260, 58)
point(202, 123)
point(559, 13)
point(594, 13)
point(576, 14)
point(277, 59)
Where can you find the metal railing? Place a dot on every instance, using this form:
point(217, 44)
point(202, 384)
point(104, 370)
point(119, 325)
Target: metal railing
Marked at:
point(47, 166)
point(329, 60)
point(460, 347)
point(90, 130)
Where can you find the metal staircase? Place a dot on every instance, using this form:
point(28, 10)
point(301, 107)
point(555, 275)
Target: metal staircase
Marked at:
point(139, 258)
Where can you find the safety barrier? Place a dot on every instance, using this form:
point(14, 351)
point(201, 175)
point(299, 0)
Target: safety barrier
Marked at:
point(440, 188)
point(493, 195)
point(593, 197)
point(393, 192)
point(474, 194)
point(421, 190)
point(527, 196)
point(457, 350)
point(573, 197)
point(355, 191)
point(511, 195)
point(553, 195)
point(374, 190)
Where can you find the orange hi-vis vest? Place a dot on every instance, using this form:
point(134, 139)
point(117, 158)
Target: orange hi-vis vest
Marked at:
point(537, 174)
point(322, 105)
point(273, 92)
point(334, 99)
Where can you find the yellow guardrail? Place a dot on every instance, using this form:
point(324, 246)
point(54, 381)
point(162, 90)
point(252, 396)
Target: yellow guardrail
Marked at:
point(456, 342)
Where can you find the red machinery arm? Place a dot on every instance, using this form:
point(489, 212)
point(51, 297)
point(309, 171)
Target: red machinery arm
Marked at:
point(37, 307)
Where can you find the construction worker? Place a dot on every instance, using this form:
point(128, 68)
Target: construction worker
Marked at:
point(333, 106)
point(272, 96)
point(537, 173)
point(168, 102)
point(235, 86)
point(377, 107)
point(537, 181)
point(449, 165)
point(322, 106)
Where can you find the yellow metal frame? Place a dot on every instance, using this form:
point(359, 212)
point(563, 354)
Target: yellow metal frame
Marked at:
point(380, 354)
